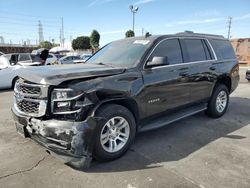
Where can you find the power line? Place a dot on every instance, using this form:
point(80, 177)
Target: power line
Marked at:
point(29, 16)
point(229, 27)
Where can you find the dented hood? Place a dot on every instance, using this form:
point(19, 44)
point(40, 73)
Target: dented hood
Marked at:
point(56, 74)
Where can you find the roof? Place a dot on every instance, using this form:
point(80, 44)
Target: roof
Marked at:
point(152, 38)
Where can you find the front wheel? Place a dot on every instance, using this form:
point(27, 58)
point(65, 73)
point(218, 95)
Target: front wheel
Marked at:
point(218, 103)
point(116, 134)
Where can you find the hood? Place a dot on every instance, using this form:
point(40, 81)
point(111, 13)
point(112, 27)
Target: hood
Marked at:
point(56, 74)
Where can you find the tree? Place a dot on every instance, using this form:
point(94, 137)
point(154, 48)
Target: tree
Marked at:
point(81, 43)
point(129, 33)
point(94, 39)
point(46, 44)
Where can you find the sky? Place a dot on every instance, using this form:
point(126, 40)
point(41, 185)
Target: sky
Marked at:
point(112, 18)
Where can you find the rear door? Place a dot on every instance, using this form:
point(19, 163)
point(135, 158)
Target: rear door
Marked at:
point(165, 87)
point(200, 58)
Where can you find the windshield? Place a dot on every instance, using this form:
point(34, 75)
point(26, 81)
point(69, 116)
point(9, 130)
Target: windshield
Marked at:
point(125, 53)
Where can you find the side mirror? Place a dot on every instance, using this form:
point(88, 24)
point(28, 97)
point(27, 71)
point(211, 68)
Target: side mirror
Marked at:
point(158, 61)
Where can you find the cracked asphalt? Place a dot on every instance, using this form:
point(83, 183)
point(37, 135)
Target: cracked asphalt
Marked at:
point(194, 152)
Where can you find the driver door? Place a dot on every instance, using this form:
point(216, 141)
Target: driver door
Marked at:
point(165, 86)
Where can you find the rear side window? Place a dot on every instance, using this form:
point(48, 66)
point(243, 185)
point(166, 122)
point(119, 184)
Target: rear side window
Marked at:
point(223, 49)
point(195, 50)
point(168, 48)
point(24, 57)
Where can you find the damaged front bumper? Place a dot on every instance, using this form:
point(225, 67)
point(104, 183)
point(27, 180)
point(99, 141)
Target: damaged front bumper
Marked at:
point(71, 141)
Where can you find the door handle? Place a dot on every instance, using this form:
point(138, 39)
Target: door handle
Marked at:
point(212, 68)
point(183, 74)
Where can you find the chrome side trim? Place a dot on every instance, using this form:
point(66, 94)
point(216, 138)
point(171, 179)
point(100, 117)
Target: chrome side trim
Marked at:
point(179, 64)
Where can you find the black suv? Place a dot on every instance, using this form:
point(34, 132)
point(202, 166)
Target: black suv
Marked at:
point(137, 84)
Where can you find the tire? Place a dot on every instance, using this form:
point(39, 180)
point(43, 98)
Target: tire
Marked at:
point(114, 115)
point(216, 107)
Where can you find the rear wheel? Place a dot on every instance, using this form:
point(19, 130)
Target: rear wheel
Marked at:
point(116, 134)
point(219, 102)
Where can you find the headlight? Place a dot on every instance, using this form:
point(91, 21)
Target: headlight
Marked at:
point(66, 101)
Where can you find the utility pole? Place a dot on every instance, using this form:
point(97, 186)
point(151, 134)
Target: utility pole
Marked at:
point(62, 34)
point(142, 31)
point(40, 31)
point(229, 27)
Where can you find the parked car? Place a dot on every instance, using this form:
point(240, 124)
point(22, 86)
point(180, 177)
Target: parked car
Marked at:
point(51, 60)
point(68, 59)
point(83, 58)
point(27, 59)
point(248, 74)
point(19, 58)
point(8, 73)
point(132, 85)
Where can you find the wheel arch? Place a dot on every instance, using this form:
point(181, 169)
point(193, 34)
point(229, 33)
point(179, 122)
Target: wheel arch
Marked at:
point(130, 104)
point(225, 80)
point(13, 81)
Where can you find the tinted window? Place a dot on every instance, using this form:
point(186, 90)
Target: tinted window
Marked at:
point(50, 56)
point(168, 48)
point(207, 50)
point(68, 58)
point(35, 58)
point(195, 50)
point(223, 49)
point(123, 53)
point(24, 57)
point(76, 58)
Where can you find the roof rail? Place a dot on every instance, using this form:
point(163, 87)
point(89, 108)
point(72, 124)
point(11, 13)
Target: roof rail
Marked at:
point(199, 34)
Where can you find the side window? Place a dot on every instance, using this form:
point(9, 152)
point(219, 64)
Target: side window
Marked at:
point(24, 57)
point(169, 48)
point(50, 56)
point(208, 52)
point(195, 50)
point(223, 49)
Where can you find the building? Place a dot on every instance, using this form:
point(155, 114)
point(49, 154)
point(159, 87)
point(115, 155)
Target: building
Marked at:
point(242, 50)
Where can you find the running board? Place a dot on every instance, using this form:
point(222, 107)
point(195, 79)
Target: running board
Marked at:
point(173, 117)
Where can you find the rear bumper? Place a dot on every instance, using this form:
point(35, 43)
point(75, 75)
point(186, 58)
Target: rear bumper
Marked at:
point(71, 141)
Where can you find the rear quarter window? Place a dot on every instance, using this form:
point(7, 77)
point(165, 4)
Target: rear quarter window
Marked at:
point(223, 49)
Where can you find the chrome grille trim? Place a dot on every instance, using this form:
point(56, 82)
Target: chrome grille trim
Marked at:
point(30, 99)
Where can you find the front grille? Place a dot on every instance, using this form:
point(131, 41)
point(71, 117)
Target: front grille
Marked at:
point(29, 90)
point(28, 107)
point(30, 99)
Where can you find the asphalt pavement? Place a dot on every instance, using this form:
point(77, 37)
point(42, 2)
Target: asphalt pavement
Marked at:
point(195, 152)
